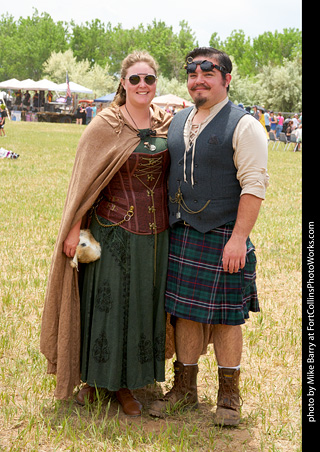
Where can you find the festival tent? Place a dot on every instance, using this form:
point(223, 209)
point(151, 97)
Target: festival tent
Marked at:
point(29, 84)
point(106, 98)
point(46, 85)
point(171, 100)
point(74, 88)
point(13, 83)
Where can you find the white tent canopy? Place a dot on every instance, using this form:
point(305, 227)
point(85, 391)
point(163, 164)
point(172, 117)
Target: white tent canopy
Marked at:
point(74, 87)
point(171, 100)
point(28, 84)
point(44, 85)
point(13, 83)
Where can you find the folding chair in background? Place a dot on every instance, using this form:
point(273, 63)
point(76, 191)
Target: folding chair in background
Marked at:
point(272, 137)
point(282, 139)
point(294, 141)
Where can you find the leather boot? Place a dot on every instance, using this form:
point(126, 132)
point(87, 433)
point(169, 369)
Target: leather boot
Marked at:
point(184, 391)
point(130, 405)
point(86, 393)
point(229, 400)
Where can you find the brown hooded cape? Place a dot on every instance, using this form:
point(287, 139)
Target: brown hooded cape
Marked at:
point(106, 144)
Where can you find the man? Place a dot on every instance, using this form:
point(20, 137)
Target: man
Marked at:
point(89, 112)
point(217, 182)
point(295, 121)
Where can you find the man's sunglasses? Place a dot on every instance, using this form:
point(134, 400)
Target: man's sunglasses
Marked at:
point(205, 66)
point(135, 79)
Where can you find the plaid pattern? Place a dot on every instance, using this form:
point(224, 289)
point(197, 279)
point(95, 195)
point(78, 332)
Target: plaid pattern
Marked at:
point(198, 288)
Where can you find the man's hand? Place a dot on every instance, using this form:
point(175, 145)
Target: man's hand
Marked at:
point(234, 255)
point(235, 250)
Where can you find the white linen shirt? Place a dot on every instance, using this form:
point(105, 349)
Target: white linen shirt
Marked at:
point(250, 146)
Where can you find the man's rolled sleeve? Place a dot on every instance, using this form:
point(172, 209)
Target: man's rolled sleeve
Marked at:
point(251, 156)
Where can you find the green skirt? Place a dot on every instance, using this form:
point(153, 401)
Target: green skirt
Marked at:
point(122, 310)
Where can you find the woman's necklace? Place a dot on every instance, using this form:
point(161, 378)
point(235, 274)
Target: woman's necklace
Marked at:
point(144, 133)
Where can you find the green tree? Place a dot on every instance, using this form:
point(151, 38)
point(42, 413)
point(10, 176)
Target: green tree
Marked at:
point(239, 46)
point(276, 47)
point(280, 87)
point(96, 78)
point(252, 55)
point(89, 42)
point(31, 43)
point(8, 47)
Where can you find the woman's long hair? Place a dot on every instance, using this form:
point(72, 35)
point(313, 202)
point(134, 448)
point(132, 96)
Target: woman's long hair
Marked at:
point(135, 57)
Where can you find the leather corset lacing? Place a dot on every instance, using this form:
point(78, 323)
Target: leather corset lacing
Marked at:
point(150, 170)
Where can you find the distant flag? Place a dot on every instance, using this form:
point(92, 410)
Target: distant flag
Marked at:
point(68, 86)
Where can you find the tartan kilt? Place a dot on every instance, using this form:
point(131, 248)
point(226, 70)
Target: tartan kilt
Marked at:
point(198, 288)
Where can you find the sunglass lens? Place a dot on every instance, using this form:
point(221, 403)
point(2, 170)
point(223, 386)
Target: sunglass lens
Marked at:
point(134, 79)
point(191, 67)
point(150, 79)
point(206, 66)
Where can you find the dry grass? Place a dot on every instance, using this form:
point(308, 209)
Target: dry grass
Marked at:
point(33, 191)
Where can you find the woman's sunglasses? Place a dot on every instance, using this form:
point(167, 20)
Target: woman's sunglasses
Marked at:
point(135, 79)
point(205, 66)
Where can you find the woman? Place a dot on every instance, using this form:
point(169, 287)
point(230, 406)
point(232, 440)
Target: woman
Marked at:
point(289, 130)
point(120, 170)
point(273, 123)
point(280, 120)
point(79, 115)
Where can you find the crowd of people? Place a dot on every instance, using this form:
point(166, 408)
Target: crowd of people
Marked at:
point(85, 112)
point(275, 123)
point(28, 103)
point(25, 101)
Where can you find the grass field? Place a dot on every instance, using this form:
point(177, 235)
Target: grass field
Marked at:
point(33, 190)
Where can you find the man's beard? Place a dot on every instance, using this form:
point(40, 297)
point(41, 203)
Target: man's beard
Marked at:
point(200, 101)
point(201, 98)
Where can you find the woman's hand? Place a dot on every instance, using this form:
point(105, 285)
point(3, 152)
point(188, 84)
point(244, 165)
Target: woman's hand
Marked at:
point(71, 242)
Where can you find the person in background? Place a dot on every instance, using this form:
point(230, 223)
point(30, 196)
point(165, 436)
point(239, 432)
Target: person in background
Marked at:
point(295, 121)
point(261, 119)
point(89, 113)
point(273, 123)
point(18, 100)
point(26, 99)
point(298, 134)
point(3, 115)
point(35, 100)
point(116, 339)
point(280, 121)
point(267, 121)
point(94, 110)
point(289, 129)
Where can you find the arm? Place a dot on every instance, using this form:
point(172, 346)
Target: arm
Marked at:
point(71, 242)
point(250, 158)
point(234, 253)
